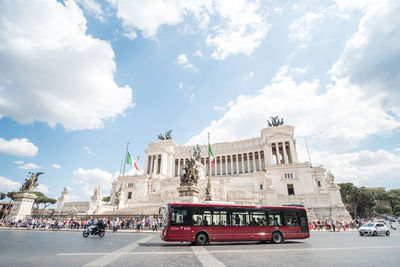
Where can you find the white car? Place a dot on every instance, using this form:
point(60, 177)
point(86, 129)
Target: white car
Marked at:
point(374, 229)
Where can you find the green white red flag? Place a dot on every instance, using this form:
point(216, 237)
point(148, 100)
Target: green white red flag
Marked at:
point(131, 161)
point(212, 158)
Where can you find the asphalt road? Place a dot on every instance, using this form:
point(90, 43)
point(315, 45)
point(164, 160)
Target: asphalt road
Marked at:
point(40, 248)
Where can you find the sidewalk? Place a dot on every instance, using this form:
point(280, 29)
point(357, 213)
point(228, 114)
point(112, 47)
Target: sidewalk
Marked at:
point(76, 230)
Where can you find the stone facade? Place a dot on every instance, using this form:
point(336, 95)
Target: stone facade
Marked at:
point(76, 208)
point(22, 207)
point(259, 171)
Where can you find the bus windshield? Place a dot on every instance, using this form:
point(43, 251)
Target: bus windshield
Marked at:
point(166, 215)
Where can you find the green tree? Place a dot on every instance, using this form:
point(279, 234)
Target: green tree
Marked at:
point(11, 195)
point(42, 199)
point(2, 196)
point(106, 199)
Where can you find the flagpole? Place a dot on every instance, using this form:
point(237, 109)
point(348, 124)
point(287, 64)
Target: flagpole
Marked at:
point(123, 174)
point(126, 154)
point(208, 189)
point(308, 152)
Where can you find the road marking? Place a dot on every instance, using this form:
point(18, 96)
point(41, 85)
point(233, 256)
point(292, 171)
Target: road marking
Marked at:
point(117, 252)
point(110, 257)
point(206, 259)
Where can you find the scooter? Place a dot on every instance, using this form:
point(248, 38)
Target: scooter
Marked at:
point(393, 226)
point(93, 230)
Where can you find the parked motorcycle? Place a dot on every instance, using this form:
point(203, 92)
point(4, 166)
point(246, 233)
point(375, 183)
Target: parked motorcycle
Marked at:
point(93, 230)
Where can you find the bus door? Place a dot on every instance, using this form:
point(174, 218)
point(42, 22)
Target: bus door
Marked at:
point(303, 221)
point(292, 224)
point(180, 229)
point(258, 222)
point(275, 222)
point(241, 229)
point(221, 226)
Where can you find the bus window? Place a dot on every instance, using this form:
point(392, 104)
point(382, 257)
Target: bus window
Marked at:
point(241, 218)
point(201, 218)
point(258, 218)
point(166, 215)
point(291, 219)
point(220, 218)
point(274, 220)
point(179, 217)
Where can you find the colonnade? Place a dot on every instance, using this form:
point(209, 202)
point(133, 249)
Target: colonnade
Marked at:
point(154, 164)
point(282, 152)
point(229, 164)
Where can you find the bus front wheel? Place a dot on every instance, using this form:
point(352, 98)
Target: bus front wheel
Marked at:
point(201, 239)
point(277, 237)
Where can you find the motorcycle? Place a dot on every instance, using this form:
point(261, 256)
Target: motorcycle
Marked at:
point(393, 226)
point(93, 230)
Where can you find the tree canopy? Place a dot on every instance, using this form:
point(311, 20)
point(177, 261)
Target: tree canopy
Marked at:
point(42, 199)
point(364, 202)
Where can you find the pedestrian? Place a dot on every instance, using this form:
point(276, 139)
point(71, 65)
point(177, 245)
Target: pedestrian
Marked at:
point(115, 225)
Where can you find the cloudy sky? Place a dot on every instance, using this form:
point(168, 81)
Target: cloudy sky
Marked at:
point(81, 78)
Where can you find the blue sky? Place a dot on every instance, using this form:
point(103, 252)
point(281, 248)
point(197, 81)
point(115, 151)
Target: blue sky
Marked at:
point(79, 79)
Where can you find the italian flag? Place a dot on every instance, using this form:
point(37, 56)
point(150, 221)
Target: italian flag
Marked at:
point(131, 161)
point(211, 156)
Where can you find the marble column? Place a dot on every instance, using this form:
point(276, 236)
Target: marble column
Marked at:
point(254, 162)
point(285, 157)
point(231, 163)
point(226, 165)
point(259, 160)
point(242, 155)
point(293, 151)
point(278, 156)
point(151, 164)
point(237, 163)
point(179, 167)
point(156, 164)
point(248, 162)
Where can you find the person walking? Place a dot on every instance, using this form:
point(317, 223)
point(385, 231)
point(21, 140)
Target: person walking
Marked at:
point(115, 225)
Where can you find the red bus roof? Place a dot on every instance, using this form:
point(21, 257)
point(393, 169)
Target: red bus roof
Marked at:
point(235, 206)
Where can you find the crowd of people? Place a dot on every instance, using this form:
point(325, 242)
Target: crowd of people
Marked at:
point(337, 226)
point(138, 223)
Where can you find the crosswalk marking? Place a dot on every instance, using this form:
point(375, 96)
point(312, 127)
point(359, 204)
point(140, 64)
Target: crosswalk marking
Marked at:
point(110, 257)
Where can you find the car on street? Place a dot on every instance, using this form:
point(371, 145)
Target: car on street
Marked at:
point(392, 219)
point(374, 228)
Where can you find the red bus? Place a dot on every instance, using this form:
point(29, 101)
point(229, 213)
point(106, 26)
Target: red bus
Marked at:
point(204, 223)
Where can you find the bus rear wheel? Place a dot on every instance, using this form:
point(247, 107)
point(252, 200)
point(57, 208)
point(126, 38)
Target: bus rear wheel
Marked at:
point(201, 239)
point(277, 237)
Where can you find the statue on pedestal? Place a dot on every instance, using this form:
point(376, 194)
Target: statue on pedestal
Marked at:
point(188, 189)
point(30, 184)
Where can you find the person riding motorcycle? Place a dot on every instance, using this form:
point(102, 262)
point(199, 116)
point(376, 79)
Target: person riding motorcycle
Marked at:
point(98, 226)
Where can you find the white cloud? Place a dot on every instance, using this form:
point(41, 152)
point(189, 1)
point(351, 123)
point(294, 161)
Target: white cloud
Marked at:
point(199, 53)
point(92, 7)
point(371, 56)
point(184, 62)
point(46, 62)
point(89, 179)
point(29, 166)
point(364, 168)
point(300, 29)
point(42, 188)
point(89, 151)
point(231, 27)
point(219, 108)
point(335, 121)
point(17, 147)
point(56, 166)
point(8, 185)
point(244, 32)
point(188, 92)
point(19, 162)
